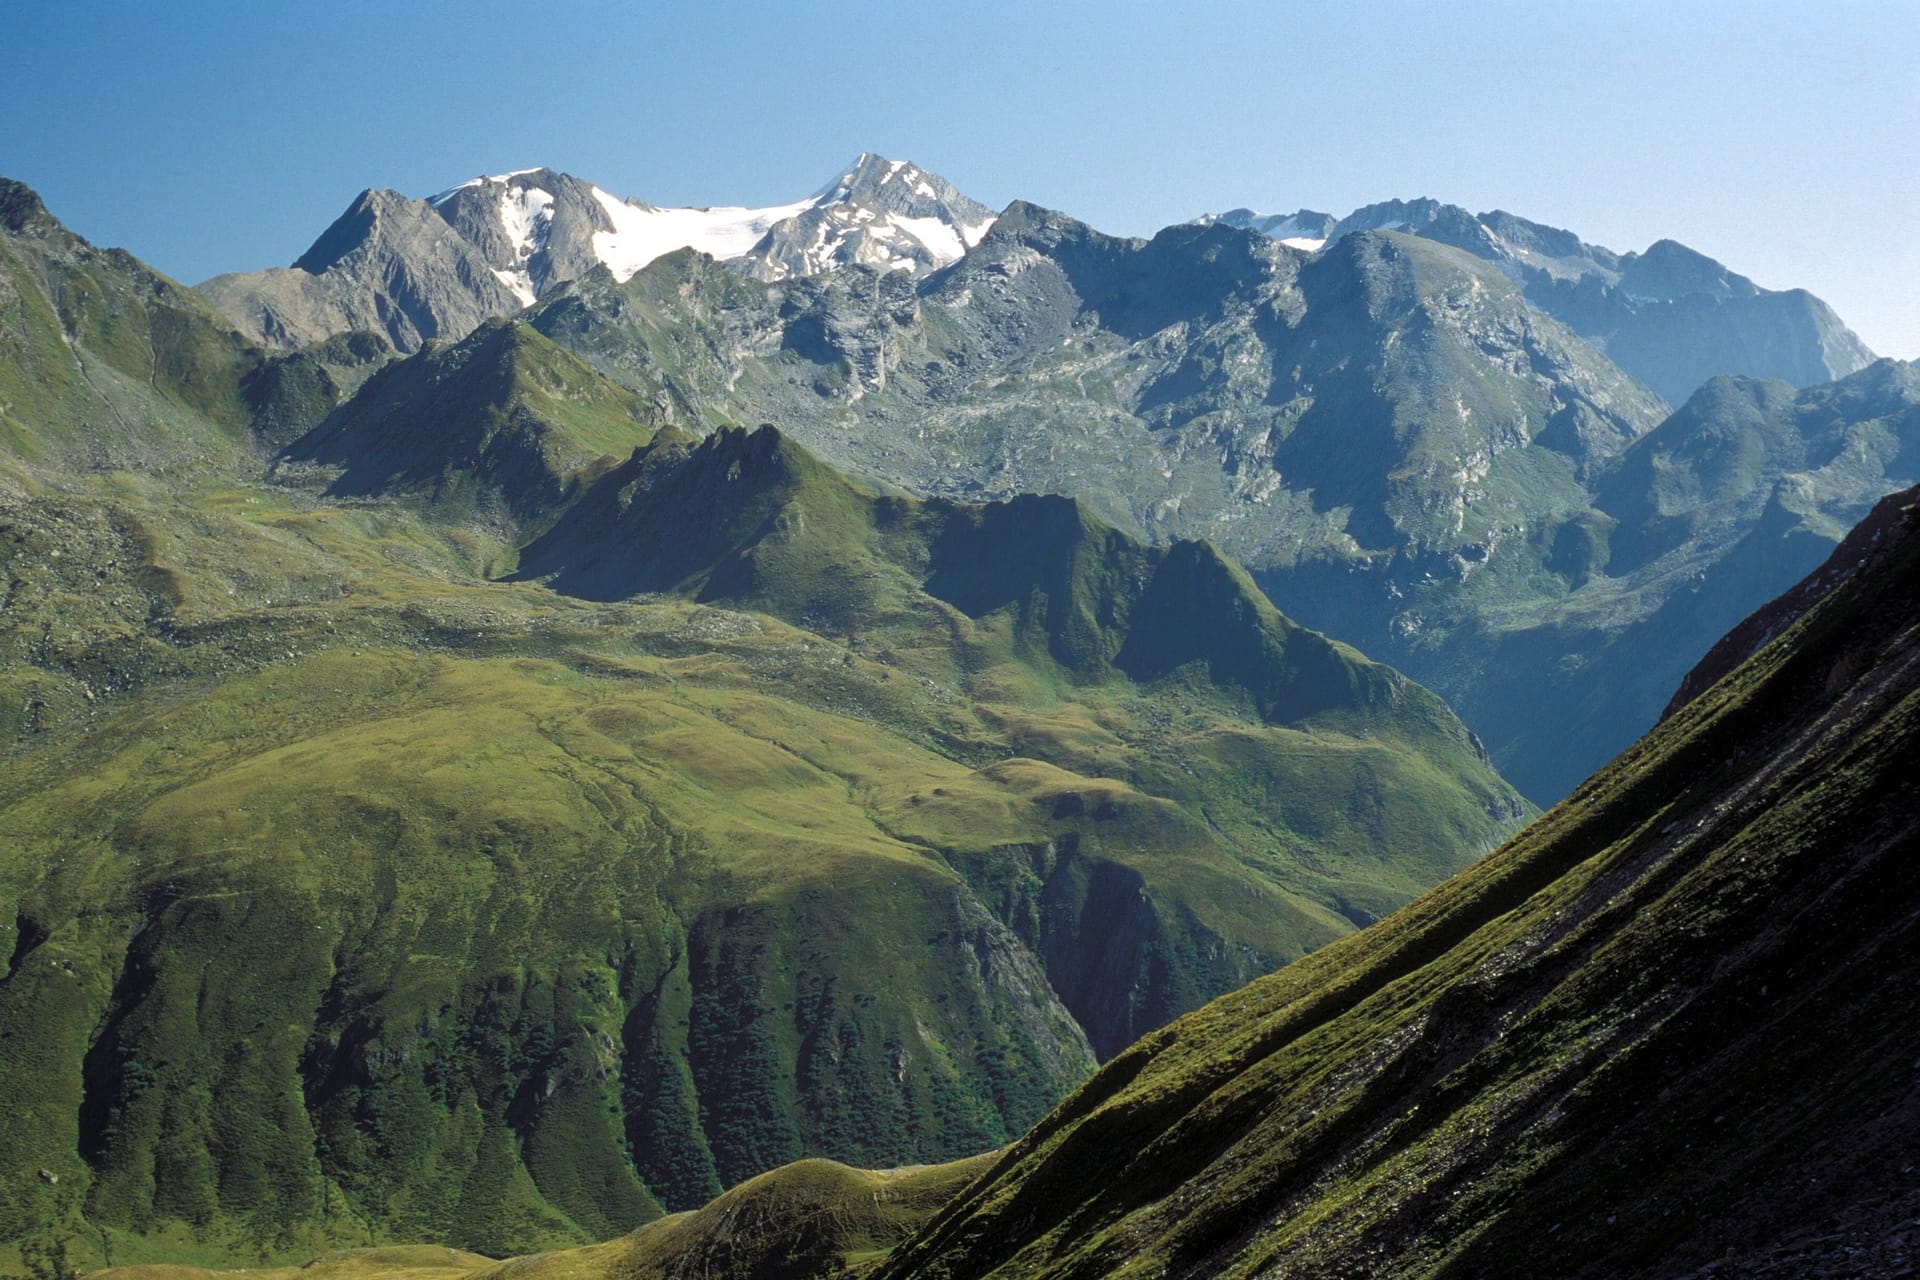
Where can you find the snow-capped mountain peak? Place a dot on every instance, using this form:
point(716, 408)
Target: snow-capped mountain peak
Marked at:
point(434, 268)
point(537, 227)
point(891, 215)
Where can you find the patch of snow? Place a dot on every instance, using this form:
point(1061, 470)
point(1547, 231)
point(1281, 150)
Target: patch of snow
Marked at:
point(526, 213)
point(1306, 243)
point(941, 240)
point(641, 235)
point(519, 283)
point(974, 234)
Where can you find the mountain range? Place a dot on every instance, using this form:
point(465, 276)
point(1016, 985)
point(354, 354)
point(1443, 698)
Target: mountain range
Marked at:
point(501, 768)
point(1404, 452)
point(435, 268)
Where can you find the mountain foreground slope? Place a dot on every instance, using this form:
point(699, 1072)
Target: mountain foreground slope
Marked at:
point(1660, 1033)
point(516, 817)
point(1664, 1032)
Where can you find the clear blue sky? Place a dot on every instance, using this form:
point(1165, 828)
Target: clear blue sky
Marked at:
point(1780, 138)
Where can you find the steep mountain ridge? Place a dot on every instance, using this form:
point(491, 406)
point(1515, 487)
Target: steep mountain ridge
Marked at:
point(751, 520)
point(105, 362)
point(503, 417)
point(388, 264)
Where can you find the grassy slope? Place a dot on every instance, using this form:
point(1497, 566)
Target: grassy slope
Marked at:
point(504, 415)
point(105, 362)
point(810, 1218)
point(350, 895)
point(1663, 1032)
point(1660, 1027)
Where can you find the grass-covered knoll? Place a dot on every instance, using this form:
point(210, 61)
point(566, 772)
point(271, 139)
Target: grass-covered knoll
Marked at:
point(807, 1219)
point(804, 1220)
point(1663, 1029)
point(504, 417)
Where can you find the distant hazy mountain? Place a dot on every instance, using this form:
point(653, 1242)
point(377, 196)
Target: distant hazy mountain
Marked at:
point(1670, 316)
point(436, 268)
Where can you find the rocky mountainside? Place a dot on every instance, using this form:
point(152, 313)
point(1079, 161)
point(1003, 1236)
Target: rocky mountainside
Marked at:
point(465, 805)
point(421, 269)
point(1406, 454)
point(1747, 486)
point(1670, 316)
